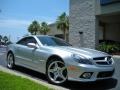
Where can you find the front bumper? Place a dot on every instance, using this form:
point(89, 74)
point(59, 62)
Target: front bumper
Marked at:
point(97, 72)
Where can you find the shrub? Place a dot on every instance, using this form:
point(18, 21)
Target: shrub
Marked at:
point(109, 48)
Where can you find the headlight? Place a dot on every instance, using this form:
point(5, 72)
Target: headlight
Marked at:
point(81, 59)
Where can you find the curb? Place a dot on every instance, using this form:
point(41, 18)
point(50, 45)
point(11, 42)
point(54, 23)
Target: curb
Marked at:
point(32, 79)
point(116, 56)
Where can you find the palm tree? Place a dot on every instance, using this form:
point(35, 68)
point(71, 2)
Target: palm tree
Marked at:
point(44, 28)
point(63, 24)
point(5, 39)
point(0, 39)
point(34, 28)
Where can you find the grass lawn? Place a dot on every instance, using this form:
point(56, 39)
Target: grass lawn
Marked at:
point(12, 82)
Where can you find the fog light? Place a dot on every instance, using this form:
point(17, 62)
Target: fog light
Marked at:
point(86, 75)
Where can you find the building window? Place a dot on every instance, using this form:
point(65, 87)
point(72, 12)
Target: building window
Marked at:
point(106, 2)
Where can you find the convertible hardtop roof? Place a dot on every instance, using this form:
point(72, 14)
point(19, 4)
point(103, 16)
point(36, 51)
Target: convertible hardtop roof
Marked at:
point(39, 36)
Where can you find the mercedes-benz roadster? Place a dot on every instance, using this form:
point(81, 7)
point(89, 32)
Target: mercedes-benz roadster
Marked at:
point(59, 60)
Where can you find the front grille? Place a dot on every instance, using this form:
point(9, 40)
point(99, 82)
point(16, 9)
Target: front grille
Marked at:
point(99, 58)
point(103, 60)
point(105, 74)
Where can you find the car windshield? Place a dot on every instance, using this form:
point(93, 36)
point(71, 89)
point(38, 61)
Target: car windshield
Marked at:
point(52, 41)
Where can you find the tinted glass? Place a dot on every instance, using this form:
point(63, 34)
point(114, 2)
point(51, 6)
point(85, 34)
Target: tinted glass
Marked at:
point(31, 40)
point(22, 41)
point(27, 40)
point(52, 41)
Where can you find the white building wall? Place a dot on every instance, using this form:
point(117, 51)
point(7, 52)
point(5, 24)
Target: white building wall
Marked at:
point(54, 30)
point(83, 19)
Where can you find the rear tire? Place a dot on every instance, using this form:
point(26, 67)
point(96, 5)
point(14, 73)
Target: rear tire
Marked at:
point(56, 72)
point(10, 61)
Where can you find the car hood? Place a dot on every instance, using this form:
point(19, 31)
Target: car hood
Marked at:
point(86, 52)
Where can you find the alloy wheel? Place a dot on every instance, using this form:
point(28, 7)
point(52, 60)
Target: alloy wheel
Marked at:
point(57, 72)
point(10, 61)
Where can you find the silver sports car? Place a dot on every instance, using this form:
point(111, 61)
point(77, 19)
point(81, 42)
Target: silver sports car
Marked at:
point(59, 60)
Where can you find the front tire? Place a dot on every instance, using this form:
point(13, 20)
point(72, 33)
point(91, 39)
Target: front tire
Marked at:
point(56, 72)
point(10, 61)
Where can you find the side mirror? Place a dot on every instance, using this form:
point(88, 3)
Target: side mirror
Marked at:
point(32, 45)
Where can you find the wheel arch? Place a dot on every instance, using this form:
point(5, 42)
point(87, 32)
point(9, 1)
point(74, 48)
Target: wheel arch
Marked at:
point(52, 57)
point(10, 51)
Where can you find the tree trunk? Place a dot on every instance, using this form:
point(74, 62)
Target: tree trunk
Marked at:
point(65, 35)
point(45, 33)
point(35, 33)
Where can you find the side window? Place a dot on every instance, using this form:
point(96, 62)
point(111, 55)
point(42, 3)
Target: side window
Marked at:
point(31, 40)
point(27, 40)
point(22, 41)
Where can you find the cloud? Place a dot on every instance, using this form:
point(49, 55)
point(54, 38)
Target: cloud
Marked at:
point(13, 23)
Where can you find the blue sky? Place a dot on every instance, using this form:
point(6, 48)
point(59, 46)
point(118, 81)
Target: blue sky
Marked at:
point(16, 15)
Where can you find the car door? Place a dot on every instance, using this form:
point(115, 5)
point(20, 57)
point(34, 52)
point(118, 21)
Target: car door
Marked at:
point(24, 53)
point(39, 59)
